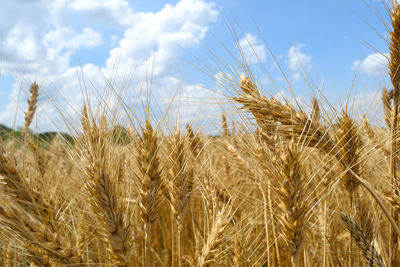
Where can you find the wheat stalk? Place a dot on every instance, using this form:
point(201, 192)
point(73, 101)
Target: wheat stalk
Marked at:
point(387, 109)
point(241, 163)
point(316, 114)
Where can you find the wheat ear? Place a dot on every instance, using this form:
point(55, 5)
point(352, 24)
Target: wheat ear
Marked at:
point(293, 203)
point(362, 241)
point(293, 123)
point(32, 105)
point(40, 159)
point(240, 162)
point(224, 124)
point(149, 178)
point(182, 184)
point(102, 188)
point(214, 239)
point(349, 145)
point(239, 250)
point(195, 144)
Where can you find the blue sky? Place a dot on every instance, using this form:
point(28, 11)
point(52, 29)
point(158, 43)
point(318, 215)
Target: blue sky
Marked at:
point(42, 39)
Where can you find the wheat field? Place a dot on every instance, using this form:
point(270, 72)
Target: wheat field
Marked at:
point(284, 188)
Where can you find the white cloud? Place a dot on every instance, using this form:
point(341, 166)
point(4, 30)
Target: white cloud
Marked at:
point(108, 12)
point(34, 39)
point(20, 43)
point(42, 50)
point(374, 64)
point(163, 35)
point(88, 38)
point(67, 38)
point(297, 60)
point(297, 76)
point(253, 51)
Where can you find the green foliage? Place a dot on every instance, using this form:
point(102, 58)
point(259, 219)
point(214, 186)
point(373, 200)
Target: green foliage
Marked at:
point(7, 133)
point(43, 139)
point(120, 135)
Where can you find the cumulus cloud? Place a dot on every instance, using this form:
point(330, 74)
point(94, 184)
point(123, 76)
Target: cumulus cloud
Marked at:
point(296, 76)
point(66, 38)
point(253, 51)
point(33, 38)
point(108, 12)
point(152, 44)
point(297, 60)
point(163, 35)
point(373, 64)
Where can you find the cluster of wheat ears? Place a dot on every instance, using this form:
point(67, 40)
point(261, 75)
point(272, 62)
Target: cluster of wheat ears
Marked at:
point(297, 189)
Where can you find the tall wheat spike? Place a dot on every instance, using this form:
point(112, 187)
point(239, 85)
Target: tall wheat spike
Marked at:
point(181, 186)
point(349, 146)
point(293, 201)
point(32, 105)
point(101, 186)
point(149, 179)
point(40, 158)
point(394, 66)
